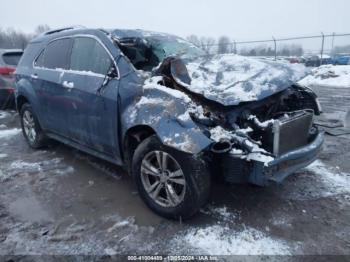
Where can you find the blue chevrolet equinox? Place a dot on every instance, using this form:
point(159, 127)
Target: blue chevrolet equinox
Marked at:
point(171, 114)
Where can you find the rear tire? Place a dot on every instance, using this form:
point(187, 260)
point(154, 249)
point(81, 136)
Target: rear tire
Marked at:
point(31, 129)
point(171, 183)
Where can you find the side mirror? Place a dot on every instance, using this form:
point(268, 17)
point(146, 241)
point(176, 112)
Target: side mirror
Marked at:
point(112, 72)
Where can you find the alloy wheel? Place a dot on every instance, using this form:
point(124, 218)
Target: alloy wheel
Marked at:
point(29, 126)
point(163, 179)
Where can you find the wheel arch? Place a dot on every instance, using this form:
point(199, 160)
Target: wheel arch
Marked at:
point(20, 101)
point(26, 94)
point(132, 138)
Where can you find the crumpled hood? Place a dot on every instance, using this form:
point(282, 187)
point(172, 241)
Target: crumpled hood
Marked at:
point(232, 79)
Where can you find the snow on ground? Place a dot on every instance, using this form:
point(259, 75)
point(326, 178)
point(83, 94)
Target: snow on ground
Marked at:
point(328, 75)
point(221, 240)
point(280, 220)
point(129, 222)
point(56, 244)
point(336, 182)
point(3, 114)
point(8, 133)
point(65, 171)
point(55, 165)
point(320, 181)
point(223, 213)
point(21, 165)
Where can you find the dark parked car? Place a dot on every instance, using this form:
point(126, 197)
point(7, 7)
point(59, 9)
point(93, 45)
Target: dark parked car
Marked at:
point(171, 115)
point(9, 59)
point(315, 60)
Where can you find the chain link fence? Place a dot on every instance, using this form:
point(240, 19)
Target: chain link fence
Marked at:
point(315, 49)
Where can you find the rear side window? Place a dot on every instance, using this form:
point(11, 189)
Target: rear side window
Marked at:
point(55, 55)
point(89, 55)
point(12, 59)
point(40, 60)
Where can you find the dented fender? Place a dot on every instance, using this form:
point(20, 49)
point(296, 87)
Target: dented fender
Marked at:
point(165, 110)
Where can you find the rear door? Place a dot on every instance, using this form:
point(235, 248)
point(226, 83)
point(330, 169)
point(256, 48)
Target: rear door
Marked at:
point(92, 116)
point(50, 67)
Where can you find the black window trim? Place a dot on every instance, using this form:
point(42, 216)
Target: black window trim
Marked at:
point(43, 50)
point(77, 71)
point(36, 59)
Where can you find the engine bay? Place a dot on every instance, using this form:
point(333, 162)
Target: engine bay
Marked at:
point(259, 130)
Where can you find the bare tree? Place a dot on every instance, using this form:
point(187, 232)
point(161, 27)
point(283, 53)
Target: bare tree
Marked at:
point(263, 50)
point(224, 45)
point(194, 40)
point(207, 44)
point(345, 49)
point(291, 50)
point(41, 29)
point(11, 38)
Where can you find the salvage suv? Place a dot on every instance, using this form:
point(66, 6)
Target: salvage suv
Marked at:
point(172, 115)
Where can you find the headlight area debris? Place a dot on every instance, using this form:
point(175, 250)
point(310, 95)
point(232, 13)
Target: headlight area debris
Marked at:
point(239, 144)
point(235, 141)
point(191, 123)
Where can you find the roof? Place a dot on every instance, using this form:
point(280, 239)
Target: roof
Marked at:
point(67, 31)
point(119, 33)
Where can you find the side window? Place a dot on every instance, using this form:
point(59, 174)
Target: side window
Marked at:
point(55, 55)
point(40, 60)
point(89, 55)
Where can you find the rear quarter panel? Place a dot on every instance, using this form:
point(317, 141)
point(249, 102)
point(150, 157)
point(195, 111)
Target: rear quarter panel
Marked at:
point(25, 86)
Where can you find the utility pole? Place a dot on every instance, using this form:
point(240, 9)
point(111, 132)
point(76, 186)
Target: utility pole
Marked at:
point(333, 35)
point(274, 40)
point(322, 46)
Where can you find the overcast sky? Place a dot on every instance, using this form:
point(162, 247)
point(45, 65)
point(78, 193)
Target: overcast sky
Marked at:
point(241, 20)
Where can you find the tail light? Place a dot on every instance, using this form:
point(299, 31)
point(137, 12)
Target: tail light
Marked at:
point(7, 70)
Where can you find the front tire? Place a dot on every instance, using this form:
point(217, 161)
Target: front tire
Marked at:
point(172, 183)
point(31, 129)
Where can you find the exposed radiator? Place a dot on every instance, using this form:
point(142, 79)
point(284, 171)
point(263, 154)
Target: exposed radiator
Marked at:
point(289, 132)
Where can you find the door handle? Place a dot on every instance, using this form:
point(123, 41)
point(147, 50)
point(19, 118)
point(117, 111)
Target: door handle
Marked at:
point(68, 84)
point(34, 76)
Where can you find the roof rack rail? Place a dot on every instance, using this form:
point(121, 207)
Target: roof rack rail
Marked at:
point(62, 29)
point(104, 31)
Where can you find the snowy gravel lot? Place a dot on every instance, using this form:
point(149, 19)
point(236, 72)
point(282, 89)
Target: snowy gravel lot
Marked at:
point(61, 201)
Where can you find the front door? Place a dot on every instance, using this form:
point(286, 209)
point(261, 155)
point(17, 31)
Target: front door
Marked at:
point(92, 118)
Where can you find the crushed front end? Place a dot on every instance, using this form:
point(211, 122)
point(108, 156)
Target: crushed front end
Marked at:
point(286, 145)
point(264, 141)
point(247, 117)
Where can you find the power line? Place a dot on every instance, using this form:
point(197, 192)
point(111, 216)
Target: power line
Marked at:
point(276, 39)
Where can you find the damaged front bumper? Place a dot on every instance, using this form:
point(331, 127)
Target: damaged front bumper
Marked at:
point(237, 170)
